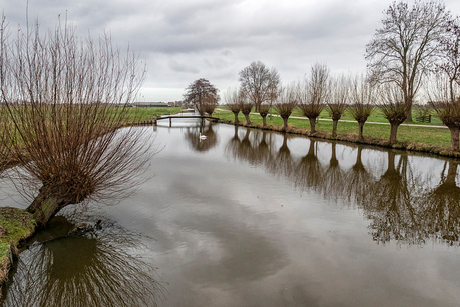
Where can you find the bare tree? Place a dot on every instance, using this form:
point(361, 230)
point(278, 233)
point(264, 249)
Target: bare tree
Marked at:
point(264, 109)
point(65, 101)
point(362, 99)
point(406, 46)
point(246, 106)
point(314, 93)
point(444, 97)
point(210, 104)
point(450, 63)
point(287, 101)
point(259, 83)
point(393, 107)
point(338, 99)
point(232, 100)
point(199, 92)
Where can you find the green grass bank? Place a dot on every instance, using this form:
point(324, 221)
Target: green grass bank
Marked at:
point(15, 225)
point(422, 137)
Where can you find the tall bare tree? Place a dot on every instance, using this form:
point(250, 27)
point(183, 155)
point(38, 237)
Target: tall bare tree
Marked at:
point(450, 60)
point(313, 93)
point(199, 93)
point(65, 101)
point(259, 83)
point(406, 46)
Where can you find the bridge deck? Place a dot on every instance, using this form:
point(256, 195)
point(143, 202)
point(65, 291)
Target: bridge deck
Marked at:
point(187, 116)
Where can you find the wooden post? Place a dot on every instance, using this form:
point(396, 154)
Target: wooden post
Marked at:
point(170, 122)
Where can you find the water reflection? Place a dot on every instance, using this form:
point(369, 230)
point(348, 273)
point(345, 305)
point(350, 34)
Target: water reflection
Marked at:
point(399, 204)
point(310, 172)
point(442, 206)
point(199, 143)
point(93, 269)
point(357, 180)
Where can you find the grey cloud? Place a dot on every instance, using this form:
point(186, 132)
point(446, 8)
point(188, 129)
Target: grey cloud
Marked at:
point(226, 53)
point(181, 67)
point(186, 40)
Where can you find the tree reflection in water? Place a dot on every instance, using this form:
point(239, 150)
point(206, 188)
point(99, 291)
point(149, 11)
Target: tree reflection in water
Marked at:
point(332, 176)
point(201, 145)
point(282, 163)
point(398, 203)
point(357, 180)
point(390, 204)
point(442, 207)
point(92, 269)
point(309, 171)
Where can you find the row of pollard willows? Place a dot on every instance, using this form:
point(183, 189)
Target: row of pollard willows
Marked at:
point(354, 94)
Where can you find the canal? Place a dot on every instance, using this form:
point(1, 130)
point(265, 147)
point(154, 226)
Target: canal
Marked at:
point(253, 218)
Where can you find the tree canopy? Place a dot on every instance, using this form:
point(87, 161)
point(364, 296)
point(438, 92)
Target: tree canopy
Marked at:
point(404, 49)
point(258, 83)
point(200, 93)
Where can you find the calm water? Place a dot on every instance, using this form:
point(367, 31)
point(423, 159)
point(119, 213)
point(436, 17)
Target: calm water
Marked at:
point(251, 218)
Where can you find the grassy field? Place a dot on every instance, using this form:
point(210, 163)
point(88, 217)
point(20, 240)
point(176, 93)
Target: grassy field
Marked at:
point(376, 116)
point(421, 134)
point(147, 113)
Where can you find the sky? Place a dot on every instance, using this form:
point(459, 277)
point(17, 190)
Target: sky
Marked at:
point(184, 40)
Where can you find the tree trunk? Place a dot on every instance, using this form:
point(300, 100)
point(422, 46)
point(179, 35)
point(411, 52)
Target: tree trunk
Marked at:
point(312, 124)
point(264, 120)
point(361, 128)
point(248, 121)
point(359, 160)
point(454, 137)
point(452, 173)
point(285, 120)
point(334, 162)
point(391, 162)
point(236, 117)
point(45, 206)
point(334, 127)
point(409, 109)
point(393, 132)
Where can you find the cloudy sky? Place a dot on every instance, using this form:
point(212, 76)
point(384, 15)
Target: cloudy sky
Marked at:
point(184, 40)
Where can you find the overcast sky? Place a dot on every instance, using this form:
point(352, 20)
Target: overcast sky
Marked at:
point(184, 40)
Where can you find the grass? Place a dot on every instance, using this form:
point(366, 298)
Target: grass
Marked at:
point(148, 113)
point(421, 134)
point(376, 116)
point(15, 225)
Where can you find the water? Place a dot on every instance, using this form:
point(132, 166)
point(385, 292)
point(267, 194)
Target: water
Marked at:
point(252, 218)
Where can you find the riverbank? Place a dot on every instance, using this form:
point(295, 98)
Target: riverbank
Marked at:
point(353, 138)
point(15, 225)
